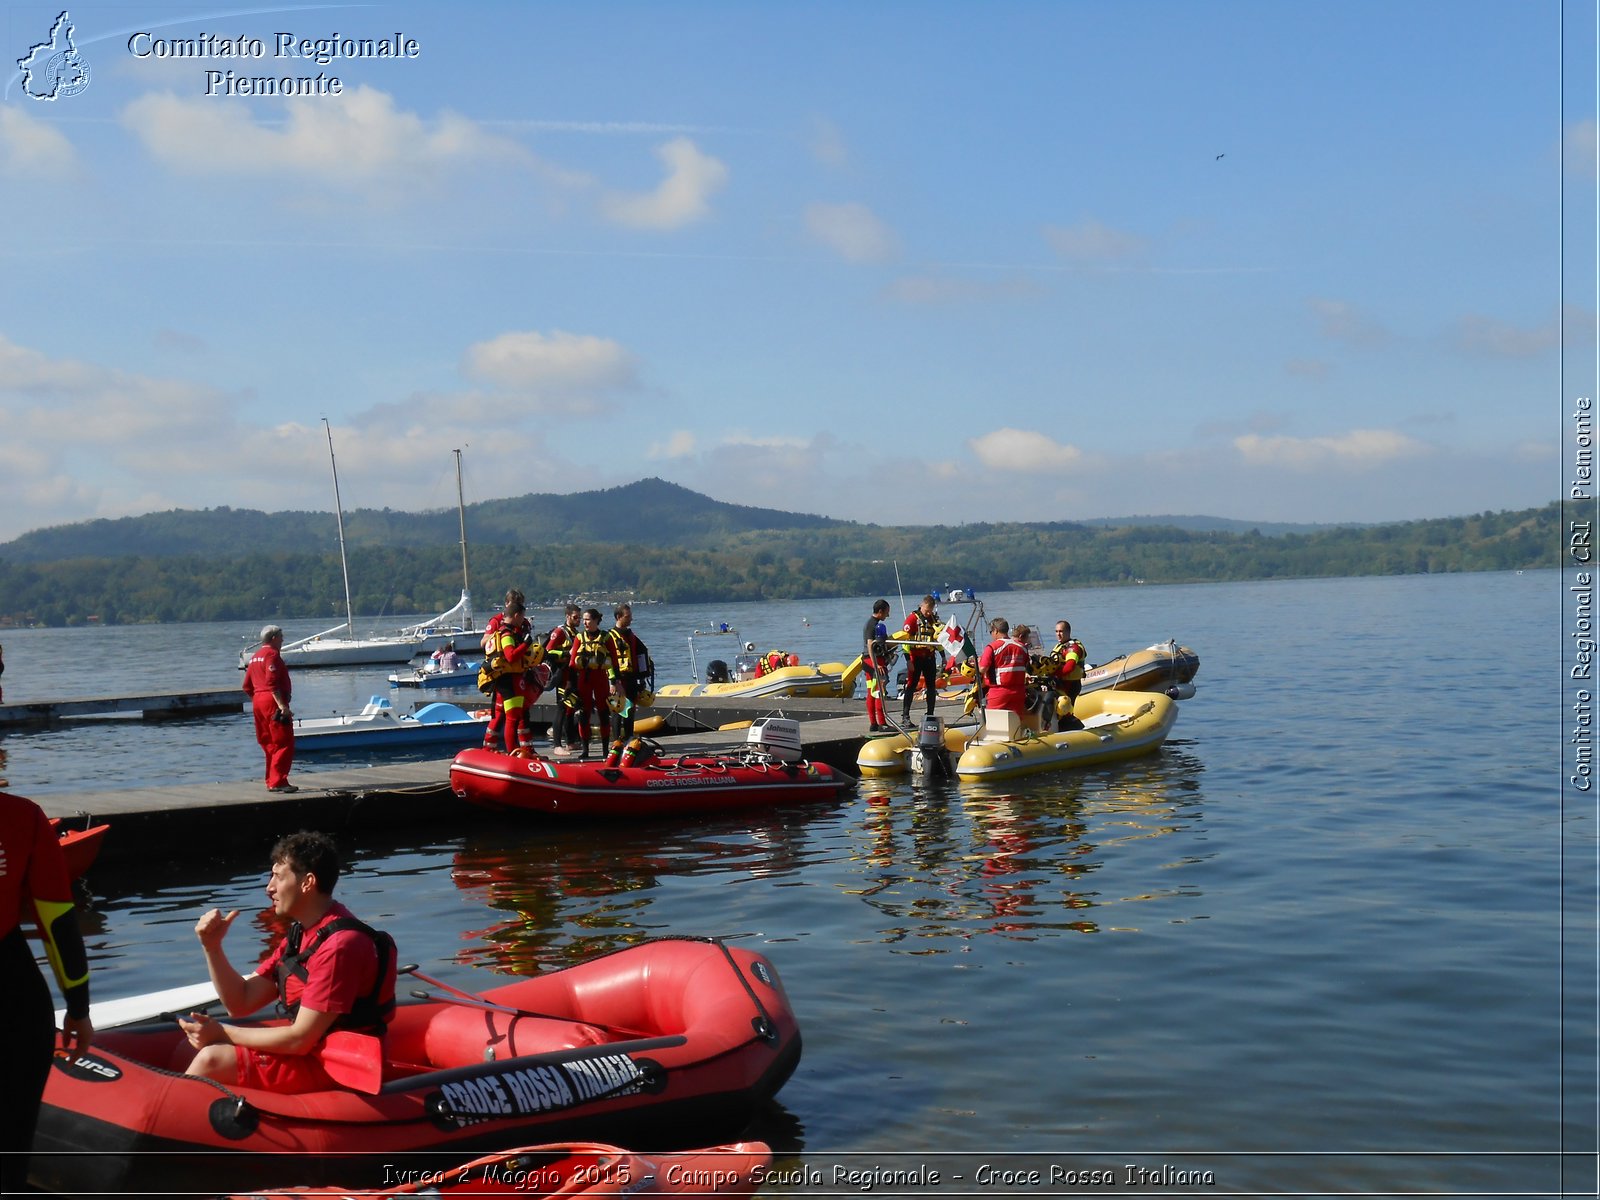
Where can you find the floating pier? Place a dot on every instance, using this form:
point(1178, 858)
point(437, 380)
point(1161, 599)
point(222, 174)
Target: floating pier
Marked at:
point(158, 706)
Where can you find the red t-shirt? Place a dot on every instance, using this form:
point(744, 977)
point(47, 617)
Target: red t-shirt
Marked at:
point(341, 971)
point(267, 673)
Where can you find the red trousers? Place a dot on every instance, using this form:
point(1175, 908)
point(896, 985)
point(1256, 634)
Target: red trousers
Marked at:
point(276, 738)
point(593, 690)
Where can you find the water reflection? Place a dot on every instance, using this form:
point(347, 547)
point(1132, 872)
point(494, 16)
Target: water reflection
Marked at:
point(944, 863)
point(565, 894)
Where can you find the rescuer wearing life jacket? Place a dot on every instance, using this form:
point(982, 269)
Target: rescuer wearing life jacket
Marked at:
point(1003, 667)
point(592, 664)
point(922, 662)
point(1073, 658)
point(35, 887)
point(875, 665)
point(330, 971)
point(634, 668)
point(509, 653)
point(557, 646)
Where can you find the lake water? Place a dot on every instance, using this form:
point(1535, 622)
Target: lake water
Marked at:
point(1316, 944)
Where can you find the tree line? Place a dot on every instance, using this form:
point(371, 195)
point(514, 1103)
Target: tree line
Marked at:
point(825, 560)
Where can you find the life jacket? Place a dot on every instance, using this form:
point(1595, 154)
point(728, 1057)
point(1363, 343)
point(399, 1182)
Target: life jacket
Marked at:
point(505, 651)
point(372, 1012)
point(927, 630)
point(1072, 646)
point(633, 656)
point(589, 652)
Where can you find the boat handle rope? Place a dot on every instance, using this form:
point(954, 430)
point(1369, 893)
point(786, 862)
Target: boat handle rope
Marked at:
point(765, 1029)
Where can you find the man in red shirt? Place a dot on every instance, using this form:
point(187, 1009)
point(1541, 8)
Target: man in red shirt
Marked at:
point(1003, 667)
point(266, 682)
point(330, 972)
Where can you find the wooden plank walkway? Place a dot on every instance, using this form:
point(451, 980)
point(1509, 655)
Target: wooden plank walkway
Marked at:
point(158, 706)
point(161, 819)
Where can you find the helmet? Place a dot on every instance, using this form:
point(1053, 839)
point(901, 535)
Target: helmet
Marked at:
point(1063, 706)
point(617, 702)
point(646, 699)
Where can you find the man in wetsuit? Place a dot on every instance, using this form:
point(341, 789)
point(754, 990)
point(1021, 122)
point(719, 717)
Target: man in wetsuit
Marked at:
point(329, 972)
point(34, 885)
point(875, 665)
point(922, 662)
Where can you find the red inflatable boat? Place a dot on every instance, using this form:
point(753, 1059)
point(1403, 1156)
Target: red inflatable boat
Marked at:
point(672, 1034)
point(79, 846)
point(640, 781)
point(571, 1171)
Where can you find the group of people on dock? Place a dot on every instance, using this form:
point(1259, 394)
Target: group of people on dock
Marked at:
point(1000, 674)
point(595, 673)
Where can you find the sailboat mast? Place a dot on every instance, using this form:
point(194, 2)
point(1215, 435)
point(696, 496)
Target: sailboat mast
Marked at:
point(461, 508)
point(338, 512)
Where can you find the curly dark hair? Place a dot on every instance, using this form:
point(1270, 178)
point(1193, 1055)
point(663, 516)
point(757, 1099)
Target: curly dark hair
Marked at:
point(308, 852)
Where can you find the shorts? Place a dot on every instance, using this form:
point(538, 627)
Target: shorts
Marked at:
point(289, 1074)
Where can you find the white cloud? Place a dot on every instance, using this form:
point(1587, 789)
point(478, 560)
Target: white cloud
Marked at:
point(1341, 321)
point(1358, 449)
point(942, 289)
point(682, 197)
point(1579, 149)
point(827, 144)
point(1500, 339)
point(1090, 242)
point(353, 138)
point(31, 149)
point(680, 444)
point(851, 231)
point(1024, 450)
point(533, 361)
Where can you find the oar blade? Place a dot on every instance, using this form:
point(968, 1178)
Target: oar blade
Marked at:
point(352, 1060)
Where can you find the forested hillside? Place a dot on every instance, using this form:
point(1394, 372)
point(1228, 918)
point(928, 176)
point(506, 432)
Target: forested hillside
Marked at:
point(738, 561)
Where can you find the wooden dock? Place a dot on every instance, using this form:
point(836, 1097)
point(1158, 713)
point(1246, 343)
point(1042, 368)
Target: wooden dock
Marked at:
point(158, 706)
point(160, 820)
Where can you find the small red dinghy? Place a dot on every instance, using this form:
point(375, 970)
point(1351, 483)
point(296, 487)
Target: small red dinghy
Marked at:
point(641, 782)
point(574, 1169)
point(668, 1035)
point(79, 846)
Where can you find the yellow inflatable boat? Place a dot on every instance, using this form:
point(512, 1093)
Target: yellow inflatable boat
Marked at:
point(757, 676)
point(1117, 724)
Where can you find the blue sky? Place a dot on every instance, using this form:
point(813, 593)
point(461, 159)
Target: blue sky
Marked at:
point(903, 262)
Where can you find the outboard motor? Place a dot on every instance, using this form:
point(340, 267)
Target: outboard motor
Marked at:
point(1181, 691)
point(716, 671)
point(928, 754)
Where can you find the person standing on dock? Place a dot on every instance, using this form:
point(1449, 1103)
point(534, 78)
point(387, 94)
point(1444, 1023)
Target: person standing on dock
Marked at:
point(922, 661)
point(34, 883)
point(875, 665)
point(557, 648)
point(633, 668)
point(266, 682)
point(509, 653)
point(592, 665)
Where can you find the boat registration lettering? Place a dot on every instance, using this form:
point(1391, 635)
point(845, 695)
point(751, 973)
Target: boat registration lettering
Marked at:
point(528, 1091)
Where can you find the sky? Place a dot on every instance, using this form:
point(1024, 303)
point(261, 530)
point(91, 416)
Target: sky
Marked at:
point(911, 263)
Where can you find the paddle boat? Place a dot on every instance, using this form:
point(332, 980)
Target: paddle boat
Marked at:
point(378, 724)
point(639, 781)
point(758, 676)
point(1116, 725)
point(79, 847)
point(431, 674)
point(666, 1039)
point(571, 1170)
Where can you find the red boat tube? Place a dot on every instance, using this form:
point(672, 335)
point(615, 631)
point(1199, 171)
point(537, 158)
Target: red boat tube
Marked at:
point(655, 787)
point(674, 1033)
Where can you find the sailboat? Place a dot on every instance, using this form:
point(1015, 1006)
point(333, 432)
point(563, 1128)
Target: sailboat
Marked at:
point(339, 646)
point(455, 624)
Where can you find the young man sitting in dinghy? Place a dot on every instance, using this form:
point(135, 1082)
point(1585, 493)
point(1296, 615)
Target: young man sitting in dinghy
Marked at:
point(329, 972)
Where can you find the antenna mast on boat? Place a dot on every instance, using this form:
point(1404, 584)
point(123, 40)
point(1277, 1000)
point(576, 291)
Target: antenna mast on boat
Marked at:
point(461, 509)
point(338, 512)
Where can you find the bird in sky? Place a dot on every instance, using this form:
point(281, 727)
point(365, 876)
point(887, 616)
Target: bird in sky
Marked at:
point(1224, 154)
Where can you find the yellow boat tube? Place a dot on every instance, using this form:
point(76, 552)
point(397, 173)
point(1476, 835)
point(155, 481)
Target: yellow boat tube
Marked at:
point(1117, 724)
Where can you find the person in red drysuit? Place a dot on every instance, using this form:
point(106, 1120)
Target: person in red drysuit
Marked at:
point(34, 885)
point(266, 682)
